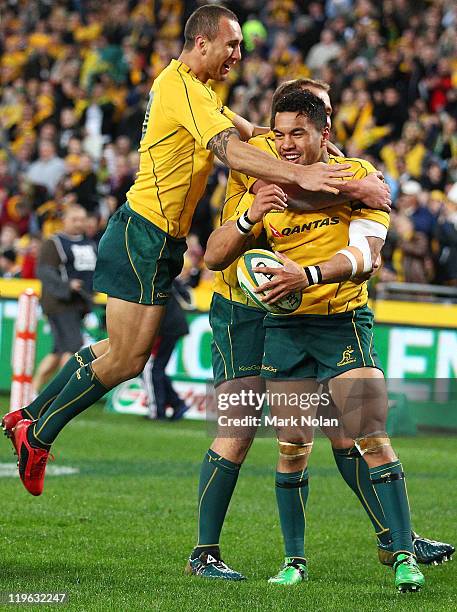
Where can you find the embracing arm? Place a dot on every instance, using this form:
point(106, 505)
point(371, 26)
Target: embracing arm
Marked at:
point(249, 160)
point(370, 190)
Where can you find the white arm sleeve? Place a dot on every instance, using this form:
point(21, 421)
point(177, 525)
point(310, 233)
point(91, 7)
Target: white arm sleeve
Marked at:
point(359, 231)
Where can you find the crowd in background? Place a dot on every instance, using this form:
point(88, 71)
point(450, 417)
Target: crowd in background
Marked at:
point(75, 77)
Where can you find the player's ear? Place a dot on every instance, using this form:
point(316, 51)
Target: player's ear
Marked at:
point(325, 136)
point(200, 43)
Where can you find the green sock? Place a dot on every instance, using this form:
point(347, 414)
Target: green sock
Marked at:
point(218, 478)
point(355, 472)
point(389, 483)
point(81, 391)
point(291, 495)
point(52, 390)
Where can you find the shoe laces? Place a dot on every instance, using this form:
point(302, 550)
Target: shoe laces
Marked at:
point(411, 562)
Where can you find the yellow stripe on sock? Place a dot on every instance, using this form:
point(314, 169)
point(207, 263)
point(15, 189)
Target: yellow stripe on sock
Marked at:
point(201, 499)
point(60, 410)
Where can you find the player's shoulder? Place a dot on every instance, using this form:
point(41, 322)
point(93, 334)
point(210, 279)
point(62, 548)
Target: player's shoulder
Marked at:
point(266, 142)
point(361, 167)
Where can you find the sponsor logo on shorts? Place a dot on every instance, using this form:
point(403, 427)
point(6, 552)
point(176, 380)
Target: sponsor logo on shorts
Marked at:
point(242, 368)
point(347, 357)
point(161, 295)
point(269, 368)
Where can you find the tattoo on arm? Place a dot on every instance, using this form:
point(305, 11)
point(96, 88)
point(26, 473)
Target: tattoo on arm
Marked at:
point(218, 144)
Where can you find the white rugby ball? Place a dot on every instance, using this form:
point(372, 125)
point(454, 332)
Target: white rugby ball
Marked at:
point(249, 280)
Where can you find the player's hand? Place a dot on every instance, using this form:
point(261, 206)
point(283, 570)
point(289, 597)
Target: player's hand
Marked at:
point(269, 197)
point(373, 192)
point(323, 177)
point(291, 277)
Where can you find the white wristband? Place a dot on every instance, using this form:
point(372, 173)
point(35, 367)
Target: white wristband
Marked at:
point(244, 225)
point(351, 258)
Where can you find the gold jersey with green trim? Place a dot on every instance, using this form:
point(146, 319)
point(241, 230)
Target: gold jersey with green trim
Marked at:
point(309, 238)
point(182, 116)
point(237, 194)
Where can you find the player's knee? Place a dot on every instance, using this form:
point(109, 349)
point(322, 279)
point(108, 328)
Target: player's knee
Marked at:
point(125, 369)
point(376, 447)
point(294, 451)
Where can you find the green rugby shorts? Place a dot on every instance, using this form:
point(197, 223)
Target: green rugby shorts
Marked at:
point(238, 338)
point(318, 346)
point(137, 261)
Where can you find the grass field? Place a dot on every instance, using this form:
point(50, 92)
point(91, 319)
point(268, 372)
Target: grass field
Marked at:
point(116, 535)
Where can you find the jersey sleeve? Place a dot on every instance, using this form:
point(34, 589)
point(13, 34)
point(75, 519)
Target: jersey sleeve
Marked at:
point(243, 205)
point(371, 215)
point(227, 112)
point(195, 107)
point(363, 168)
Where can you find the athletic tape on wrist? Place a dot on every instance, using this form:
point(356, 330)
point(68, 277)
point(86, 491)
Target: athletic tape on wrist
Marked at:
point(313, 274)
point(351, 258)
point(244, 225)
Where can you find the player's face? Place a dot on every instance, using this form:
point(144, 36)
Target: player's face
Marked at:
point(323, 95)
point(297, 139)
point(224, 51)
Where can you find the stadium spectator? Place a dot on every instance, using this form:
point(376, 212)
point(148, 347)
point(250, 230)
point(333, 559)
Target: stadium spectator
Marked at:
point(8, 265)
point(66, 269)
point(48, 169)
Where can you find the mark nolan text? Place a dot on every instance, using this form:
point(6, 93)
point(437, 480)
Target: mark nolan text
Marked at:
point(274, 421)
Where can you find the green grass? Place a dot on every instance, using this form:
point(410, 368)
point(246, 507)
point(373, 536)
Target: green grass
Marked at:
point(116, 536)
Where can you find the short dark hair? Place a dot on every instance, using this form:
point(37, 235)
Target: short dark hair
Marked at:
point(291, 86)
point(303, 103)
point(205, 21)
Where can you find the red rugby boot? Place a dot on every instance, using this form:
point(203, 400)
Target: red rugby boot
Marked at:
point(32, 461)
point(9, 422)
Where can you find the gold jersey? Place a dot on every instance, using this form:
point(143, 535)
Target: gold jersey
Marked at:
point(182, 116)
point(310, 238)
point(237, 197)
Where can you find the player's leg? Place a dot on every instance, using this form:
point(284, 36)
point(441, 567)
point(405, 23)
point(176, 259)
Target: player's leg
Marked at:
point(135, 268)
point(237, 351)
point(132, 329)
point(361, 397)
point(295, 440)
point(355, 473)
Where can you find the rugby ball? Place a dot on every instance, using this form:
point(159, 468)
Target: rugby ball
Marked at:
point(249, 280)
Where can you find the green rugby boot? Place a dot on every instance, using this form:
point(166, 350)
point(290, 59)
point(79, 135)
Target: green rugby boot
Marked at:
point(408, 576)
point(428, 552)
point(294, 571)
point(210, 565)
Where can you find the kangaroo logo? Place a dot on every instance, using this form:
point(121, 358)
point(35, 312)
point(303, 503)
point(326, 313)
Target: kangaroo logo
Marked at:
point(347, 357)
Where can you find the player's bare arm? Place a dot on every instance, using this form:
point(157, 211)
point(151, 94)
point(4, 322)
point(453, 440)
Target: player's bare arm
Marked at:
point(245, 158)
point(370, 190)
point(229, 241)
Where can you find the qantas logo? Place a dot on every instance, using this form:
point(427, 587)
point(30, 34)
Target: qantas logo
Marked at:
point(276, 233)
point(306, 227)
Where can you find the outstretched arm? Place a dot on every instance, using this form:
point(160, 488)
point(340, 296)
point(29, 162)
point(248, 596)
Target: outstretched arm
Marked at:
point(247, 159)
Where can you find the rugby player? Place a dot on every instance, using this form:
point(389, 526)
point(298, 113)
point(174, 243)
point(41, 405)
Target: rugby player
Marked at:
point(142, 249)
point(348, 459)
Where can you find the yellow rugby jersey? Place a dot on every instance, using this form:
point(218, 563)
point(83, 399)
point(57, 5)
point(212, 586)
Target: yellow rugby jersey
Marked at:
point(313, 237)
point(182, 116)
point(237, 197)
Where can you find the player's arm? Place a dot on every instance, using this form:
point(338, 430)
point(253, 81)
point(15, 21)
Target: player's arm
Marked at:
point(370, 190)
point(234, 237)
point(245, 158)
point(366, 239)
